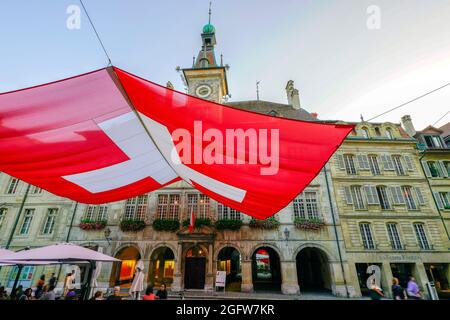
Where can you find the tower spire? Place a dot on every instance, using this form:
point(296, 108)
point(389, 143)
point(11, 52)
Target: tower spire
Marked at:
point(209, 18)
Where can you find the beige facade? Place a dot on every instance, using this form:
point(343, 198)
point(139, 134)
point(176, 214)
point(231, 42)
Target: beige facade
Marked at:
point(386, 207)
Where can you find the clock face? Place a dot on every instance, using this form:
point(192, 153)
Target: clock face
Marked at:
point(203, 91)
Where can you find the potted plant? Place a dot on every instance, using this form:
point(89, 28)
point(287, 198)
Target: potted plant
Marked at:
point(199, 222)
point(228, 224)
point(88, 224)
point(166, 225)
point(309, 224)
point(269, 223)
point(132, 225)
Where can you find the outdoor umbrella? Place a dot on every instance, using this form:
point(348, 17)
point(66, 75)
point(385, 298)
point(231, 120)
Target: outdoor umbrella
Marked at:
point(61, 253)
point(138, 282)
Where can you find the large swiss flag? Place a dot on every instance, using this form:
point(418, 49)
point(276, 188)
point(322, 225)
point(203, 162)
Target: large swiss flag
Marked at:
point(109, 135)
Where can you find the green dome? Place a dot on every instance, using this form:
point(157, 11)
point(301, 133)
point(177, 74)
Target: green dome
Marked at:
point(209, 28)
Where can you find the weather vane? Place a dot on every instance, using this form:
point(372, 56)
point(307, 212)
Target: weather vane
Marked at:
point(257, 90)
point(209, 19)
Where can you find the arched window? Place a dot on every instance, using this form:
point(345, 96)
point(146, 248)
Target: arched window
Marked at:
point(204, 63)
point(389, 133)
point(377, 131)
point(365, 132)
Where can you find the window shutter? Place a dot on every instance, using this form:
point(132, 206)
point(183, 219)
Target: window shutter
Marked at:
point(388, 165)
point(420, 196)
point(443, 169)
point(371, 194)
point(390, 162)
point(401, 198)
point(375, 195)
point(340, 160)
point(384, 162)
point(348, 195)
point(409, 163)
point(363, 162)
point(426, 168)
point(438, 199)
point(397, 195)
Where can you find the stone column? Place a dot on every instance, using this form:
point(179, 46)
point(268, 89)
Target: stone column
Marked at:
point(289, 281)
point(247, 281)
point(353, 281)
point(386, 279)
point(209, 281)
point(177, 275)
point(420, 274)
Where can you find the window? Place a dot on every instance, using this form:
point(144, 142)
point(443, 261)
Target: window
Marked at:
point(97, 213)
point(27, 218)
point(394, 236)
point(389, 133)
point(49, 221)
point(446, 167)
point(384, 200)
point(377, 131)
point(35, 190)
point(136, 208)
point(226, 213)
point(12, 187)
point(357, 196)
point(371, 195)
point(444, 196)
point(366, 235)
point(421, 236)
point(169, 206)
point(349, 164)
point(397, 195)
point(398, 165)
point(306, 206)
point(299, 207)
point(410, 203)
point(200, 204)
point(435, 171)
point(3, 212)
point(365, 133)
point(374, 167)
point(433, 141)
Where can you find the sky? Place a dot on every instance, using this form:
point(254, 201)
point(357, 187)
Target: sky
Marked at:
point(341, 67)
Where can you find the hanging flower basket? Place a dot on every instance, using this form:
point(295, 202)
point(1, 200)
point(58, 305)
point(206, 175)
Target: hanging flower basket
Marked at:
point(270, 223)
point(132, 225)
point(228, 224)
point(87, 224)
point(309, 224)
point(199, 222)
point(166, 225)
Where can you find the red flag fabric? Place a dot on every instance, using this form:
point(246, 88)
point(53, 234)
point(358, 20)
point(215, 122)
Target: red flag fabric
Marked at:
point(192, 221)
point(109, 135)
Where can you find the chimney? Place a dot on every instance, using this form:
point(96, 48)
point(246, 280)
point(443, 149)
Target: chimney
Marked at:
point(292, 95)
point(314, 115)
point(408, 125)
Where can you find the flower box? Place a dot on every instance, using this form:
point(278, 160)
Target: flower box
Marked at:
point(228, 224)
point(132, 225)
point(166, 225)
point(270, 223)
point(199, 222)
point(308, 224)
point(87, 224)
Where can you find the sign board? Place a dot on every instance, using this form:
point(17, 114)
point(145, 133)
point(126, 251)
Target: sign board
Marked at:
point(221, 277)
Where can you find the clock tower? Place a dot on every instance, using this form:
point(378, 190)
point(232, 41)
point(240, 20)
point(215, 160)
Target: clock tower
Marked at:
point(207, 79)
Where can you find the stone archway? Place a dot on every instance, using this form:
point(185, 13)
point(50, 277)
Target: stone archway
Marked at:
point(122, 272)
point(313, 270)
point(161, 267)
point(229, 260)
point(266, 269)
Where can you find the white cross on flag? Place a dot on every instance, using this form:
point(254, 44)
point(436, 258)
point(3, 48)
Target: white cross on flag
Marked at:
point(108, 135)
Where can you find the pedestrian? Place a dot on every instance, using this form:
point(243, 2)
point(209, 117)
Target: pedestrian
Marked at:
point(26, 295)
point(397, 290)
point(39, 287)
point(49, 293)
point(376, 293)
point(16, 294)
point(413, 290)
point(149, 295)
point(52, 280)
point(3, 293)
point(162, 292)
point(115, 295)
point(98, 296)
point(67, 283)
point(71, 295)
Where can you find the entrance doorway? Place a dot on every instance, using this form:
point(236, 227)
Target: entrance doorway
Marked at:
point(162, 265)
point(229, 260)
point(123, 272)
point(313, 272)
point(437, 272)
point(195, 268)
point(402, 271)
point(266, 270)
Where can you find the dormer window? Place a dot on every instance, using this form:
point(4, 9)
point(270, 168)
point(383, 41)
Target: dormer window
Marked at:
point(273, 113)
point(365, 133)
point(377, 131)
point(433, 141)
point(389, 133)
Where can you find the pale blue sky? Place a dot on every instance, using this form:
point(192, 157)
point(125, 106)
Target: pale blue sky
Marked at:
point(341, 68)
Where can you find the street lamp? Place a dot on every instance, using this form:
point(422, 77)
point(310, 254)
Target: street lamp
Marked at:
point(107, 233)
point(286, 234)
